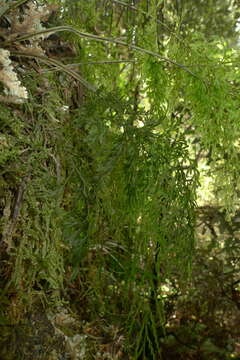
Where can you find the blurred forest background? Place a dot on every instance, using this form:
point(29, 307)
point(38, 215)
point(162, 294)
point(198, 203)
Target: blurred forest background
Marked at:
point(119, 179)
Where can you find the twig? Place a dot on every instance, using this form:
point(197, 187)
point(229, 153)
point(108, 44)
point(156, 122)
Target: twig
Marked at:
point(59, 65)
point(104, 62)
point(96, 38)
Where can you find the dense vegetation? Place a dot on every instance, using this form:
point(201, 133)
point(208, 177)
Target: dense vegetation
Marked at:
point(119, 179)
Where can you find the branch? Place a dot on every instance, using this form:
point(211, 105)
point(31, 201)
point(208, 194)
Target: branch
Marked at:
point(103, 62)
point(58, 65)
point(101, 39)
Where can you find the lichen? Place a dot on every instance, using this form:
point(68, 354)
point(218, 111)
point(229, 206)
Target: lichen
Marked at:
point(9, 78)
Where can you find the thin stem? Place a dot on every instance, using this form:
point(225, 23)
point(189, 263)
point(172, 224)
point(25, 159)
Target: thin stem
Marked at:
point(102, 39)
point(104, 62)
point(59, 65)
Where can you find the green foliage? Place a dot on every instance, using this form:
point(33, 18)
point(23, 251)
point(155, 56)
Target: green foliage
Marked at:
point(32, 196)
point(213, 19)
point(99, 189)
point(130, 188)
point(140, 176)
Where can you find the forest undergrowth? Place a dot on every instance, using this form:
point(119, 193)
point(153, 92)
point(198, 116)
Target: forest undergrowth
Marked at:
point(119, 180)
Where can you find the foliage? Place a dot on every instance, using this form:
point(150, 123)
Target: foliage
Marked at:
point(102, 128)
point(213, 19)
point(130, 187)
